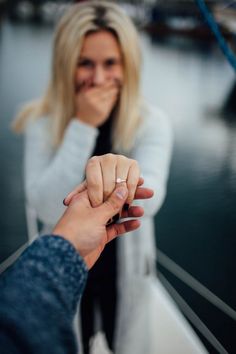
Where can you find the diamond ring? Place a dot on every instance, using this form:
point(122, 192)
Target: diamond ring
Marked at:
point(120, 180)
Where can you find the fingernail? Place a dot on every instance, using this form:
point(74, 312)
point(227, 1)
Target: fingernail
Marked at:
point(64, 201)
point(126, 207)
point(121, 192)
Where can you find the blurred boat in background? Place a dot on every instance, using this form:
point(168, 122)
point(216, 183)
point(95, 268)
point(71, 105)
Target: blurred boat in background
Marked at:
point(183, 18)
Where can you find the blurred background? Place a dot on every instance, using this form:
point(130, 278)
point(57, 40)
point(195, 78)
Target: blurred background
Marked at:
point(187, 75)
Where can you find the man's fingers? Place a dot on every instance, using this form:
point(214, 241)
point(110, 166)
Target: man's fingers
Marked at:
point(113, 204)
point(133, 212)
point(117, 229)
point(143, 193)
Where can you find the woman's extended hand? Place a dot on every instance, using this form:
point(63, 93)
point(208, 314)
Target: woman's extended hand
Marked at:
point(94, 104)
point(102, 173)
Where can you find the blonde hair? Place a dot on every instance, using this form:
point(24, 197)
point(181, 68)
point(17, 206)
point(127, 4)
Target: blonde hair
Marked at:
point(58, 101)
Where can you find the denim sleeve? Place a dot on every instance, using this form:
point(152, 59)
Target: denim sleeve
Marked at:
point(38, 298)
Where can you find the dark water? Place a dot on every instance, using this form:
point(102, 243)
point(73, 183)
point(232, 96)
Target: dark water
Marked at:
point(196, 227)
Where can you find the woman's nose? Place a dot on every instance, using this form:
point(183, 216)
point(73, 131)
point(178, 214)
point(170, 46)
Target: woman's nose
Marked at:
point(99, 75)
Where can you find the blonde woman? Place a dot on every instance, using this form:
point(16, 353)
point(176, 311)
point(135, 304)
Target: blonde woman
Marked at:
point(93, 106)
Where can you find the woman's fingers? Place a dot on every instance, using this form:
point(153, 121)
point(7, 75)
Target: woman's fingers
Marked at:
point(140, 193)
point(94, 178)
point(104, 95)
point(94, 103)
point(122, 167)
point(104, 172)
point(108, 168)
point(80, 188)
point(140, 181)
point(132, 181)
point(117, 168)
point(127, 170)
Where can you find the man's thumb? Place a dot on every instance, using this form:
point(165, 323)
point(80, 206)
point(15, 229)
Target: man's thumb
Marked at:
point(113, 204)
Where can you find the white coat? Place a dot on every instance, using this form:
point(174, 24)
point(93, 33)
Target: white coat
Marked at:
point(51, 174)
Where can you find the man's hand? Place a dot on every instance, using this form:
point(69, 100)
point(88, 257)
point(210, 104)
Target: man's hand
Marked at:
point(85, 226)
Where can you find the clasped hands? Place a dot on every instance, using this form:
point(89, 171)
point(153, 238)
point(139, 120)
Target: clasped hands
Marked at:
point(97, 200)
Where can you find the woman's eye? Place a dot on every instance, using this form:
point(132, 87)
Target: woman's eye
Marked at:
point(111, 62)
point(85, 64)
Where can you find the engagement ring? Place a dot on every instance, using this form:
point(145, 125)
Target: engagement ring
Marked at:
point(120, 180)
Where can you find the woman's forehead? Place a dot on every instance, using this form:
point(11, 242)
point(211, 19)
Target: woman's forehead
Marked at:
point(102, 43)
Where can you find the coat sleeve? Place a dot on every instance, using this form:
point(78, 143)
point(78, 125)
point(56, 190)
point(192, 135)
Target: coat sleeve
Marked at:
point(152, 150)
point(51, 174)
point(39, 297)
